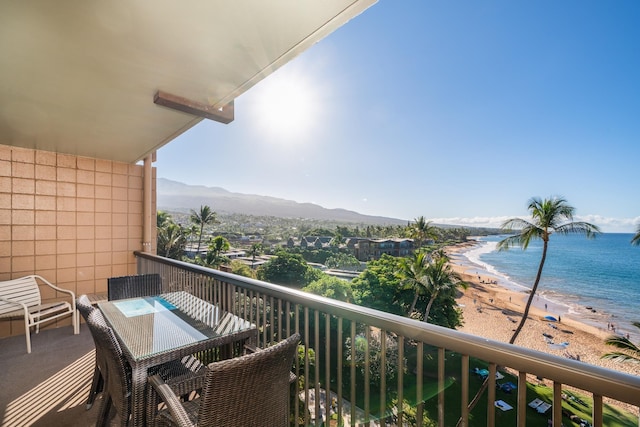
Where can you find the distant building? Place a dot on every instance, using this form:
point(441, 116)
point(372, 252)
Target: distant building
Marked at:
point(369, 249)
point(315, 242)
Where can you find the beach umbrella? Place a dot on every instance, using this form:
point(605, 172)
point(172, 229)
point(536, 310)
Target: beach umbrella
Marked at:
point(550, 318)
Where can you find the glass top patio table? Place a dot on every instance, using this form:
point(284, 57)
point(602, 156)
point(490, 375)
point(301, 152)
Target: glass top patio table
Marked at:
point(150, 326)
point(158, 329)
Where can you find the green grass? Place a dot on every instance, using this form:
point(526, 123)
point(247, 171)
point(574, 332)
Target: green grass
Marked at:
point(581, 406)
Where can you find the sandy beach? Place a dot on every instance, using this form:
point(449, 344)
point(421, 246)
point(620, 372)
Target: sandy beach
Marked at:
point(491, 311)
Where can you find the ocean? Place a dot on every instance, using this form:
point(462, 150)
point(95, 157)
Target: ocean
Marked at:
point(596, 280)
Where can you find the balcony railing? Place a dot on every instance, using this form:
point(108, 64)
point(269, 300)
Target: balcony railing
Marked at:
point(371, 360)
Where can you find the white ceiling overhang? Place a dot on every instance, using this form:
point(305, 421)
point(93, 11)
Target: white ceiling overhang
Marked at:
point(80, 77)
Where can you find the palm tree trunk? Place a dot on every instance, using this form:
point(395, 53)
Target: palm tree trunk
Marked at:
point(426, 312)
point(200, 239)
point(532, 294)
point(413, 304)
point(476, 398)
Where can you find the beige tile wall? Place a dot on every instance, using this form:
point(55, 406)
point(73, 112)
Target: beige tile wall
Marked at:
point(73, 220)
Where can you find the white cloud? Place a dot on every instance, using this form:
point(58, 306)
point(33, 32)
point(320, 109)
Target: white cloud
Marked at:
point(607, 225)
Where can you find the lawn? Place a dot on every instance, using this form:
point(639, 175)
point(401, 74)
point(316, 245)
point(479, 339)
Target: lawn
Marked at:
point(578, 405)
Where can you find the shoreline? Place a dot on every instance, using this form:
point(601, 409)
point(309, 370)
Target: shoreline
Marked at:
point(491, 310)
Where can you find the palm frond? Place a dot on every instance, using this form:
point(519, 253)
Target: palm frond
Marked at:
point(621, 357)
point(578, 227)
point(622, 343)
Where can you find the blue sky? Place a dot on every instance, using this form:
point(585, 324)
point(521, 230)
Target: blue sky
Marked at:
point(456, 111)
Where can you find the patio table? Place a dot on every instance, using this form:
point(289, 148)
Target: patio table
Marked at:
point(158, 329)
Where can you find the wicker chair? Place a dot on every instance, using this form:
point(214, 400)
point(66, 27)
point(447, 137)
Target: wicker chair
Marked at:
point(250, 390)
point(83, 304)
point(140, 285)
point(117, 381)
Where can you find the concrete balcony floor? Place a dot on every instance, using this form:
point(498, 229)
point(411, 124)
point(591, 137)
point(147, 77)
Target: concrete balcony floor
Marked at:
point(48, 387)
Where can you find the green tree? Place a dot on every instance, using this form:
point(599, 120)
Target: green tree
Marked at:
point(440, 279)
point(214, 258)
point(331, 287)
point(379, 287)
point(172, 238)
point(201, 218)
point(343, 261)
point(636, 238)
point(162, 219)
point(242, 269)
point(360, 349)
point(254, 251)
point(412, 273)
point(548, 216)
point(421, 230)
point(288, 270)
point(629, 352)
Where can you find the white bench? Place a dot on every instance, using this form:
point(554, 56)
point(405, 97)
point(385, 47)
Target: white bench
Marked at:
point(21, 298)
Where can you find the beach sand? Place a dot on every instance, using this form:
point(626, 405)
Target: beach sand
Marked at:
point(492, 311)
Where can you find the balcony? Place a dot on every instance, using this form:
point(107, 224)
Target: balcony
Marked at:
point(431, 370)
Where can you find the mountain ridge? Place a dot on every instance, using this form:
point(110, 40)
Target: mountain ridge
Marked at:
point(174, 195)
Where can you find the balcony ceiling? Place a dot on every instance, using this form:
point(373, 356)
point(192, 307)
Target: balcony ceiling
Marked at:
point(79, 77)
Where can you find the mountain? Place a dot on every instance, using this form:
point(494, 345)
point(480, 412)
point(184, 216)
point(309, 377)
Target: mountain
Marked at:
point(177, 196)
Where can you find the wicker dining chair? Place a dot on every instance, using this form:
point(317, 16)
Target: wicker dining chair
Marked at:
point(117, 381)
point(250, 390)
point(83, 304)
point(139, 285)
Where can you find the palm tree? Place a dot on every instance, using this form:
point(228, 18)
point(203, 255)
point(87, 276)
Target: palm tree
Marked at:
point(548, 216)
point(205, 217)
point(254, 251)
point(630, 352)
point(440, 278)
point(214, 258)
point(421, 230)
point(636, 238)
point(412, 272)
point(171, 240)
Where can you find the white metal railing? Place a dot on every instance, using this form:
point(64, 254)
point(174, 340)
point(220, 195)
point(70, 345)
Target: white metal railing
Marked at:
point(367, 386)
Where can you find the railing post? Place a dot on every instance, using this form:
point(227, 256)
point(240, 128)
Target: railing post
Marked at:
point(419, 375)
point(464, 400)
point(400, 380)
point(441, 386)
point(367, 367)
point(597, 411)
point(383, 374)
point(522, 399)
point(556, 409)
point(491, 396)
point(339, 368)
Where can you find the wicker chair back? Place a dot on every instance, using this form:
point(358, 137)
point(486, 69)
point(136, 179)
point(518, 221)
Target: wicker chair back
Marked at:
point(140, 285)
point(251, 390)
point(118, 373)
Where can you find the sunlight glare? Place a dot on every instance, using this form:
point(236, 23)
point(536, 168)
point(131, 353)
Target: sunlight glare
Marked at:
point(285, 107)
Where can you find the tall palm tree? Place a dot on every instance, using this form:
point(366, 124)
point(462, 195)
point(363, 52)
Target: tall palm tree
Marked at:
point(412, 272)
point(421, 230)
point(630, 352)
point(636, 239)
point(204, 217)
point(548, 216)
point(440, 278)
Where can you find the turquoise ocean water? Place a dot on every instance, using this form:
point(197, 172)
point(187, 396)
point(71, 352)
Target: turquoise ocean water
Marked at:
point(601, 273)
